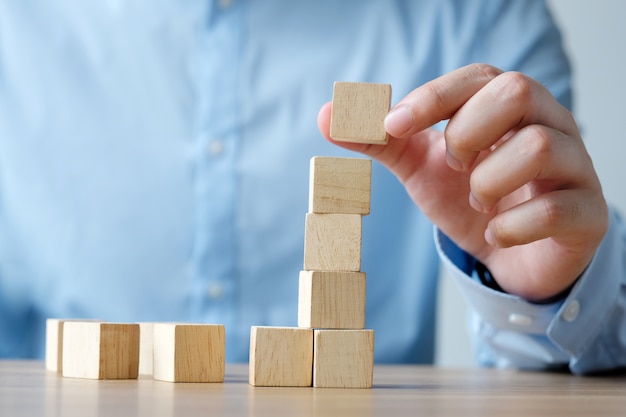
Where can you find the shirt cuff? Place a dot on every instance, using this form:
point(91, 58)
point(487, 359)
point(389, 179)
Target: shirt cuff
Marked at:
point(572, 324)
point(582, 316)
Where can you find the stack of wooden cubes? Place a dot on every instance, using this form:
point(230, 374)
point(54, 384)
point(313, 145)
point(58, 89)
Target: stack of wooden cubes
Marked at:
point(330, 347)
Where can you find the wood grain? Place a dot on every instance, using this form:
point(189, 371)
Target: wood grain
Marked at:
point(332, 242)
point(331, 300)
point(280, 357)
point(340, 185)
point(189, 352)
point(54, 342)
point(343, 358)
point(26, 389)
point(95, 350)
point(359, 111)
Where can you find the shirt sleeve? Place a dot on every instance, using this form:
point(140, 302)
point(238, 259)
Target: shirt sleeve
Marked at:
point(585, 331)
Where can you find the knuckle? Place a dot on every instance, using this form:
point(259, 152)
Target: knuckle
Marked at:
point(485, 71)
point(515, 87)
point(538, 143)
point(554, 211)
point(435, 96)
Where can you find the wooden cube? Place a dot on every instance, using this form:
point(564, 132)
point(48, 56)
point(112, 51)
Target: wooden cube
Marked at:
point(332, 242)
point(96, 350)
point(281, 357)
point(145, 348)
point(343, 358)
point(331, 300)
point(189, 352)
point(54, 342)
point(359, 111)
point(54, 345)
point(340, 185)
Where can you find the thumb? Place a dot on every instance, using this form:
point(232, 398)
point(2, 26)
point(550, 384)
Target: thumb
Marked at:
point(401, 156)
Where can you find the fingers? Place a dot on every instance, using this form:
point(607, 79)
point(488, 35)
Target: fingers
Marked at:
point(400, 156)
point(437, 100)
point(539, 183)
point(510, 139)
point(574, 217)
point(536, 154)
point(509, 101)
point(482, 104)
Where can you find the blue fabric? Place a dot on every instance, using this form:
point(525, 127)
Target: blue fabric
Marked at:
point(511, 332)
point(154, 155)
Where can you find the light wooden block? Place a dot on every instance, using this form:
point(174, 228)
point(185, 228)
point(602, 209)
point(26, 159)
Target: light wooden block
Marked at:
point(281, 357)
point(332, 242)
point(343, 358)
point(331, 300)
point(359, 111)
point(145, 348)
point(95, 350)
point(54, 345)
point(189, 352)
point(54, 342)
point(340, 185)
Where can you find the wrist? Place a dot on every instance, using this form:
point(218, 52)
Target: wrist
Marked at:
point(485, 277)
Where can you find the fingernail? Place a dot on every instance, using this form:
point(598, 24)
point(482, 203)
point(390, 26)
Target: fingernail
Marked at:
point(398, 121)
point(489, 237)
point(475, 204)
point(453, 162)
point(478, 206)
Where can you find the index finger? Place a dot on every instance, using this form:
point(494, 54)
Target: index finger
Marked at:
point(438, 99)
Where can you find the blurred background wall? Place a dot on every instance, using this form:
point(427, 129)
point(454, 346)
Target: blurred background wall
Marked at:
point(595, 37)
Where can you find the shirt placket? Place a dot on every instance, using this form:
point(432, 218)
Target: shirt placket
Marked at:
point(216, 135)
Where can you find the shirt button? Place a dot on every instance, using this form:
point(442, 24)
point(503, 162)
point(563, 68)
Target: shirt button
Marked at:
point(215, 291)
point(216, 147)
point(520, 319)
point(571, 311)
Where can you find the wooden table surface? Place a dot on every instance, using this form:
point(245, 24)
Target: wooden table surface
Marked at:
point(26, 389)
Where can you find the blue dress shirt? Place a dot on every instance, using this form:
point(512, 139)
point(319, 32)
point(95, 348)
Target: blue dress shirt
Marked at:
point(154, 167)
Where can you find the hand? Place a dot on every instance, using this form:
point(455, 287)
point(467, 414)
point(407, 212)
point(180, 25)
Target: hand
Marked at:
point(510, 180)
